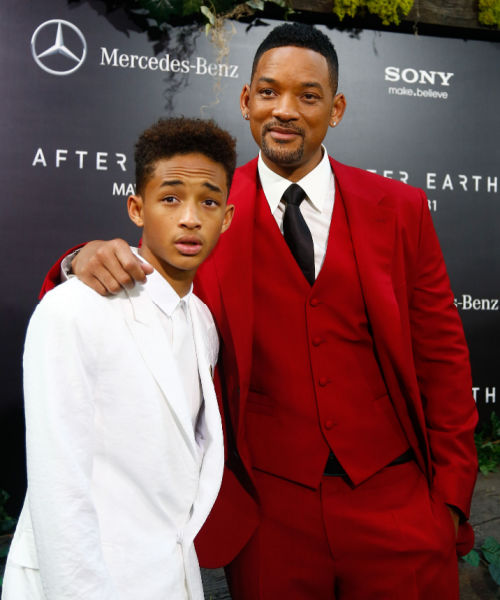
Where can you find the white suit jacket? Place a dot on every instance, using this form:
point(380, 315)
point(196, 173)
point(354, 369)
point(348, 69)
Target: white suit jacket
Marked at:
point(118, 482)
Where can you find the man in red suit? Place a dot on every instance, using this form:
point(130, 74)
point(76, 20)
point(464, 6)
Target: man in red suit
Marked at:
point(343, 375)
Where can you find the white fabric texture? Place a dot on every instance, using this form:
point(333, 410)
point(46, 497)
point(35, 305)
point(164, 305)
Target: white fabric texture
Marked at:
point(120, 481)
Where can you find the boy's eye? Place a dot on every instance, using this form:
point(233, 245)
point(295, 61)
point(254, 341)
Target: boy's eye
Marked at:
point(169, 199)
point(210, 202)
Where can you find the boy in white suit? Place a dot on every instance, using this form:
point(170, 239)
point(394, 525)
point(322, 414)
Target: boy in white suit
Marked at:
point(124, 437)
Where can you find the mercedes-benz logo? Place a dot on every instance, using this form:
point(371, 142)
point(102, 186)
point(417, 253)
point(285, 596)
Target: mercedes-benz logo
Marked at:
point(72, 59)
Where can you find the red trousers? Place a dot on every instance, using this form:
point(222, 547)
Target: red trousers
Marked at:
point(386, 539)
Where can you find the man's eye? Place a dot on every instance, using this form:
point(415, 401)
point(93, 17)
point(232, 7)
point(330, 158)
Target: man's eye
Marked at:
point(267, 92)
point(310, 97)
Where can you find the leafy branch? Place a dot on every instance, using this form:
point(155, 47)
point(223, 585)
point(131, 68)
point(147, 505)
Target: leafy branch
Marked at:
point(489, 12)
point(389, 11)
point(488, 445)
point(488, 555)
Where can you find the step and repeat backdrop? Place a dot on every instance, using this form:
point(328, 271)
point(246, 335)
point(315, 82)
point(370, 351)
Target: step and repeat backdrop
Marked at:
point(80, 84)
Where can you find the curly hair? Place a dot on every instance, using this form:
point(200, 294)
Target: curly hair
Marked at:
point(181, 135)
point(302, 36)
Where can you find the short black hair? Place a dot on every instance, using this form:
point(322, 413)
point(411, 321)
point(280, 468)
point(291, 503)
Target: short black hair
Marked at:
point(181, 135)
point(302, 36)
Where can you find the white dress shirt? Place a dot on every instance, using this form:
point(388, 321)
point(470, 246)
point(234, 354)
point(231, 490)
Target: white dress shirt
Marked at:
point(176, 321)
point(317, 208)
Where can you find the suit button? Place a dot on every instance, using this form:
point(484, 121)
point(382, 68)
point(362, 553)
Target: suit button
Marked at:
point(324, 381)
point(314, 302)
point(317, 340)
point(328, 424)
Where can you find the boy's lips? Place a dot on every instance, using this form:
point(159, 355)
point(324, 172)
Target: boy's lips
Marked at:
point(188, 245)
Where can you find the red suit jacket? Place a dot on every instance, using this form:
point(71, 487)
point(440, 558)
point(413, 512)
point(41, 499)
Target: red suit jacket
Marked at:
point(416, 331)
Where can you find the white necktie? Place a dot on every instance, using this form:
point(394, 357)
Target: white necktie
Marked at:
point(185, 354)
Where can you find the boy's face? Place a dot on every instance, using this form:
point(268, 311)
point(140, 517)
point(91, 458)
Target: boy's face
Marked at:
point(182, 211)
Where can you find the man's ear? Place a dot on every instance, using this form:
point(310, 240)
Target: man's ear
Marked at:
point(135, 207)
point(244, 99)
point(228, 217)
point(338, 109)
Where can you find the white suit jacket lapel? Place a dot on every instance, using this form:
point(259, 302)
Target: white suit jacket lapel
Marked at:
point(156, 351)
point(209, 428)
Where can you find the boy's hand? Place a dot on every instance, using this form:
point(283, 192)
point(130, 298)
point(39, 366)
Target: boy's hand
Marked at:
point(106, 267)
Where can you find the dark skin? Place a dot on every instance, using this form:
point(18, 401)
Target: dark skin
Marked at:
point(291, 91)
point(290, 104)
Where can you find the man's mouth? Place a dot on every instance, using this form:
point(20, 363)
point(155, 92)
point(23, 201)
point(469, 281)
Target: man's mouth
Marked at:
point(282, 133)
point(188, 245)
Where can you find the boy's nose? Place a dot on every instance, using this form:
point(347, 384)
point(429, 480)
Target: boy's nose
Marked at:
point(190, 217)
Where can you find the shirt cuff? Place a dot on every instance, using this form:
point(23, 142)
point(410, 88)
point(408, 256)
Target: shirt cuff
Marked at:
point(66, 266)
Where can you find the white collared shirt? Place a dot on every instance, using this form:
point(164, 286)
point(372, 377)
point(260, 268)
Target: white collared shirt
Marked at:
point(175, 318)
point(317, 208)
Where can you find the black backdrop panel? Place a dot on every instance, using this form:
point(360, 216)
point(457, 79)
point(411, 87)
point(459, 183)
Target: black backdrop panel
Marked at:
point(420, 109)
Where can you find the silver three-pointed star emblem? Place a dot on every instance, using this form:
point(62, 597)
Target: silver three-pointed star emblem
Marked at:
point(74, 56)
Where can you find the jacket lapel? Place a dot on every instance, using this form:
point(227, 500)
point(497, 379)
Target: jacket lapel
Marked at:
point(372, 221)
point(156, 351)
point(234, 265)
point(209, 431)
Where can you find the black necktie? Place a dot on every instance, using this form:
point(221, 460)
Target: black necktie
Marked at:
point(296, 232)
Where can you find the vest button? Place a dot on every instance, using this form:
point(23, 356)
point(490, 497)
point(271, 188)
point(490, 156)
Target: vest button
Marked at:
point(317, 340)
point(328, 424)
point(323, 381)
point(314, 302)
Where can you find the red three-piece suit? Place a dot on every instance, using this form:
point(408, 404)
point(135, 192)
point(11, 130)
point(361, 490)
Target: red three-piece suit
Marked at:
point(368, 362)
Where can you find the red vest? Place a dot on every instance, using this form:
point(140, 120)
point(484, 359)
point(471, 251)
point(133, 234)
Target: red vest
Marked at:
point(316, 383)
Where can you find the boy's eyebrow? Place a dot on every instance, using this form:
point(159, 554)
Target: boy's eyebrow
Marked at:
point(172, 182)
point(212, 187)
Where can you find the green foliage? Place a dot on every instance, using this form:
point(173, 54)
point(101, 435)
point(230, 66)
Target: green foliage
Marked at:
point(489, 12)
point(473, 558)
point(489, 554)
point(389, 11)
point(488, 445)
point(7, 523)
point(160, 12)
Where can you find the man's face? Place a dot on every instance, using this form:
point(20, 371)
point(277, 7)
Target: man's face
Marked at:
point(290, 103)
point(182, 211)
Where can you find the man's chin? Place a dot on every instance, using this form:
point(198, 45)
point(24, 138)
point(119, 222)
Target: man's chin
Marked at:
point(281, 155)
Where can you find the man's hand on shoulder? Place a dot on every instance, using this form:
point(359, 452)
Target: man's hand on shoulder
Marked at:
point(109, 266)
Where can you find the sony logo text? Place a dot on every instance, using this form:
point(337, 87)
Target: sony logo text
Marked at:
point(421, 76)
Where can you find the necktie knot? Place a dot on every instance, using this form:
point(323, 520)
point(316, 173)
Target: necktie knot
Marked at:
point(294, 195)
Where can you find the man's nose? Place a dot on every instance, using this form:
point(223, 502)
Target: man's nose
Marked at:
point(285, 107)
